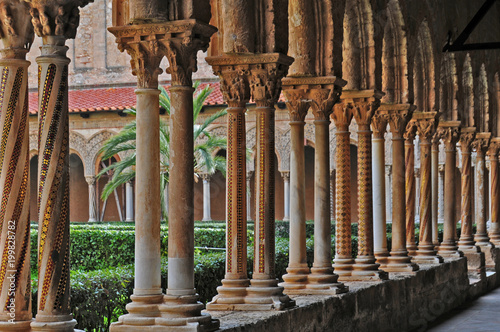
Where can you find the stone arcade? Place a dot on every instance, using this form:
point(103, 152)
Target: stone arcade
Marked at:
point(371, 73)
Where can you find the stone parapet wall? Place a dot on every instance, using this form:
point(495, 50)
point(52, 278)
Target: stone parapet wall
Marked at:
point(404, 303)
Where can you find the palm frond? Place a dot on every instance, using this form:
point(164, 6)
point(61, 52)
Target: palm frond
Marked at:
point(208, 121)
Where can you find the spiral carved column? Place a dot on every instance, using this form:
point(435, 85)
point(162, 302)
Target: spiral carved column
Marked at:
point(399, 261)
point(494, 232)
point(15, 273)
point(410, 193)
point(426, 126)
point(466, 242)
point(450, 131)
point(236, 91)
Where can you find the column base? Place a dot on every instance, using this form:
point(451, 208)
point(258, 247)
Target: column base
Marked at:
point(381, 257)
point(296, 278)
point(412, 249)
point(232, 291)
point(449, 250)
point(343, 266)
point(482, 240)
point(54, 323)
point(427, 260)
point(321, 281)
point(494, 234)
point(365, 269)
point(469, 248)
point(165, 313)
point(399, 264)
point(24, 326)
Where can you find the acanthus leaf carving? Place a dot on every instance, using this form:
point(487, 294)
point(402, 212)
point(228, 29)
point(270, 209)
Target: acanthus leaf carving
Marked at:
point(323, 102)
point(16, 29)
point(379, 124)
point(265, 83)
point(297, 103)
point(480, 145)
point(363, 112)
point(410, 131)
point(398, 122)
point(450, 136)
point(234, 85)
point(426, 128)
point(466, 139)
point(342, 116)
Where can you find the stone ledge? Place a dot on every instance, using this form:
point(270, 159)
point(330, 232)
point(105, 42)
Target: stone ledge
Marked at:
point(400, 304)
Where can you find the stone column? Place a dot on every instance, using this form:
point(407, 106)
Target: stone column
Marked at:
point(297, 271)
point(399, 261)
point(286, 193)
point(15, 273)
point(481, 237)
point(343, 261)
point(129, 206)
point(147, 44)
point(54, 21)
point(388, 193)
point(488, 167)
point(236, 92)
point(441, 193)
point(410, 193)
point(249, 196)
point(379, 126)
point(466, 242)
point(435, 186)
point(264, 292)
point(332, 194)
point(494, 232)
point(321, 93)
point(417, 194)
point(365, 103)
point(206, 197)
point(426, 126)
point(91, 181)
point(450, 132)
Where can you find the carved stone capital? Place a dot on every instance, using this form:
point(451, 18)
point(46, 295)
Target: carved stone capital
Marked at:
point(379, 123)
point(410, 131)
point(481, 143)
point(494, 148)
point(205, 176)
point(91, 180)
point(234, 84)
point(56, 18)
point(449, 132)
point(426, 123)
point(342, 116)
point(297, 103)
point(285, 175)
point(322, 93)
point(441, 169)
point(399, 115)
point(148, 43)
point(265, 82)
point(467, 136)
point(16, 30)
point(364, 104)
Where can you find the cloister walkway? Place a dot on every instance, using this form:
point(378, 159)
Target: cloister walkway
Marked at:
point(478, 315)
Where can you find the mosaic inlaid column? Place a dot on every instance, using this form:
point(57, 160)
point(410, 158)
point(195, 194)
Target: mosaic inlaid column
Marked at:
point(494, 232)
point(15, 273)
point(286, 193)
point(206, 197)
point(466, 242)
point(150, 308)
point(364, 267)
point(410, 193)
point(236, 92)
point(480, 145)
point(435, 186)
point(91, 181)
point(343, 261)
point(379, 126)
point(399, 261)
point(129, 206)
point(50, 19)
point(297, 270)
point(426, 126)
point(265, 86)
point(450, 132)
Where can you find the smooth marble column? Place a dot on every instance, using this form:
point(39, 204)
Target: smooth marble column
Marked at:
point(399, 261)
point(129, 206)
point(379, 125)
point(388, 193)
point(249, 196)
point(206, 197)
point(481, 237)
point(410, 190)
point(450, 131)
point(286, 195)
point(15, 271)
point(91, 181)
point(441, 194)
point(435, 187)
point(426, 126)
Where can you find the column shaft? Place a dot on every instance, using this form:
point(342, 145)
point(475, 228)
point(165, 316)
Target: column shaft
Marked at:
point(494, 232)
point(379, 199)
point(91, 181)
point(129, 206)
point(206, 198)
point(410, 189)
point(15, 273)
point(435, 189)
point(286, 194)
point(249, 210)
point(481, 146)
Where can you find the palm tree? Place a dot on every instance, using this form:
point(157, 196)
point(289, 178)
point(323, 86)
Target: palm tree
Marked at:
point(125, 143)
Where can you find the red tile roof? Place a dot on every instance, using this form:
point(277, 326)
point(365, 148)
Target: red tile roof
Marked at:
point(111, 99)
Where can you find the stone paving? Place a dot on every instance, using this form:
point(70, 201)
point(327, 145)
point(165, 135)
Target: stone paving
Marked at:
point(481, 314)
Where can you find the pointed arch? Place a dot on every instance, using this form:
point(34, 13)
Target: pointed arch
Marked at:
point(467, 109)
point(448, 104)
point(358, 47)
point(423, 71)
point(394, 56)
point(482, 106)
